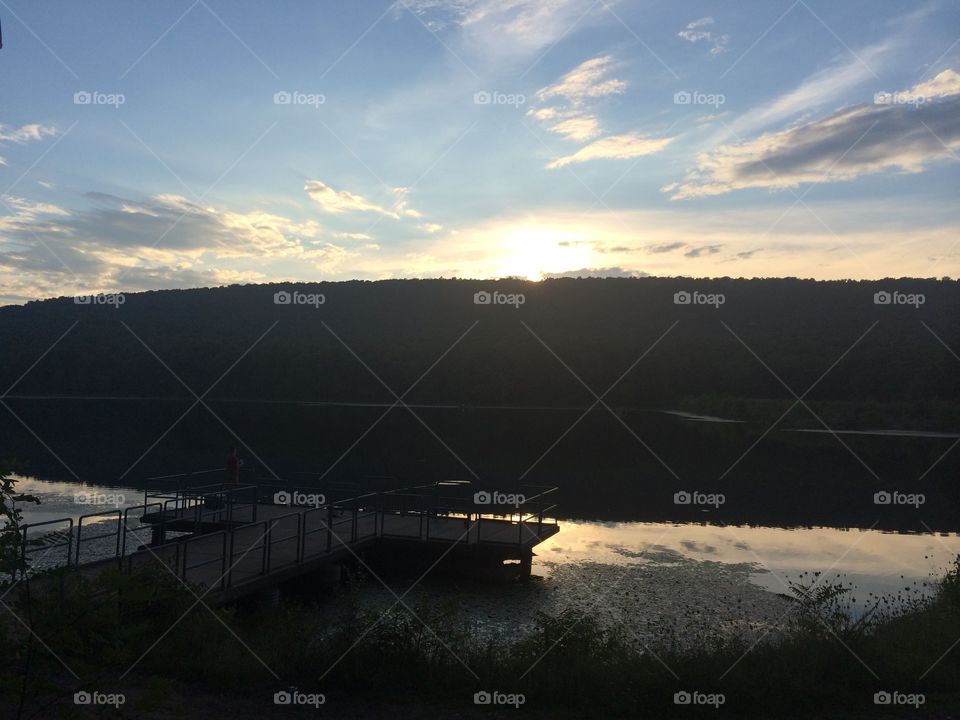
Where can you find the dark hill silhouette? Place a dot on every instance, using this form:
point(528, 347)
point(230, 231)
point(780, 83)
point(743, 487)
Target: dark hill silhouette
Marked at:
point(873, 366)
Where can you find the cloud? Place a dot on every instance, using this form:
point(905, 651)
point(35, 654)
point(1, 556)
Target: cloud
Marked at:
point(607, 272)
point(702, 250)
point(565, 101)
point(694, 33)
point(343, 201)
point(334, 201)
point(619, 147)
point(24, 134)
point(855, 141)
point(504, 28)
point(588, 80)
point(666, 247)
point(165, 237)
point(823, 87)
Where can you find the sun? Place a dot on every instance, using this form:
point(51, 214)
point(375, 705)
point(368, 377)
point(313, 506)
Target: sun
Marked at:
point(531, 251)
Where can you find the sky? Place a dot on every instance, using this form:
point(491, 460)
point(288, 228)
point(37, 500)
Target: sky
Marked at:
point(204, 143)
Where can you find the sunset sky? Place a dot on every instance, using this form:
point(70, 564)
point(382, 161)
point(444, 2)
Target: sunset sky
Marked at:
point(190, 144)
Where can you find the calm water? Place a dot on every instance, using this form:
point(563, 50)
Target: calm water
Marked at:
point(643, 575)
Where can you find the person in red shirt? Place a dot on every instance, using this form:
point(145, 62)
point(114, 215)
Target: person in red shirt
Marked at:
point(233, 467)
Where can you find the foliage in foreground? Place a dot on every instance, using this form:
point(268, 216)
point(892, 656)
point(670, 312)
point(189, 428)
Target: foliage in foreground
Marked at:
point(822, 660)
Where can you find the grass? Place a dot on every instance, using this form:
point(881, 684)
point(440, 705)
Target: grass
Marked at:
point(822, 663)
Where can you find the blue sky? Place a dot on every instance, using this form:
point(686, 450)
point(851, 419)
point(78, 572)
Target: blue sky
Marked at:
point(186, 144)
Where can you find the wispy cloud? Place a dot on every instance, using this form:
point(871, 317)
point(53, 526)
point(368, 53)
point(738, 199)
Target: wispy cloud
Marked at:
point(628, 145)
point(511, 28)
point(822, 88)
point(23, 134)
point(694, 32)
point(564, 104)
point(344, 201)
point(899, 135)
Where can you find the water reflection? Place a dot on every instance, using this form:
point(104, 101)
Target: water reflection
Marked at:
point(874, 561)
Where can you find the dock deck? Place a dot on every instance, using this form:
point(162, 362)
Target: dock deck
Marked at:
point(233, 542)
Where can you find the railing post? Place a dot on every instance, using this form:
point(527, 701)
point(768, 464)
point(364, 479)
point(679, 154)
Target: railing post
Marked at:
point(265, 539)
point(329, 528)
point(223, 563)
point(230, 560)
point(76, 561)
point(301, 526)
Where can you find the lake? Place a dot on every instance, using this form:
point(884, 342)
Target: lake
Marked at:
point(694, 579)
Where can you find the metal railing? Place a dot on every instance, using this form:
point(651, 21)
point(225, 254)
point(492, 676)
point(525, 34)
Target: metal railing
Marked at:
point(221, 516)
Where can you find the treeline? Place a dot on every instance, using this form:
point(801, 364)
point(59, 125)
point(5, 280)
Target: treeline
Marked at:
point(733, 339)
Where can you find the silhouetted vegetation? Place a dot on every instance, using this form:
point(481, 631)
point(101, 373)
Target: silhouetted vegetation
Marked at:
point(817, 662)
